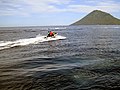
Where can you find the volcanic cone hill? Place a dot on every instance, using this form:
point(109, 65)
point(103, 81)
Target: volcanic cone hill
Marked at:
point(98, 17)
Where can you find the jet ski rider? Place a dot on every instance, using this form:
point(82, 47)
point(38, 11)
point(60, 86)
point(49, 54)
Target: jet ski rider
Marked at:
point(51, 34)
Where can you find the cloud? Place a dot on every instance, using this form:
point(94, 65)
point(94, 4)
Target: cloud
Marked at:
point(45, 6)
point(80, 8)
point(27, 7)
point(12, 7)
point(108, 6)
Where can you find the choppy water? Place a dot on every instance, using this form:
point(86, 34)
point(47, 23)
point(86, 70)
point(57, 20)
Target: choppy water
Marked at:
point(89, 53)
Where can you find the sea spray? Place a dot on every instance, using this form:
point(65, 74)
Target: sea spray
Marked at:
point(24, 42)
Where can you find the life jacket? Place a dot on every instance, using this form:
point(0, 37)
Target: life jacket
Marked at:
point(51, 33)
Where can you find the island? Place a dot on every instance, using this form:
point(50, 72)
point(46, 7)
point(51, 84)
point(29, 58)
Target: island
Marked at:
point(98, 17)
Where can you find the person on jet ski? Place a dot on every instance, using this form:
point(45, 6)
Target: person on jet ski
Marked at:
point(51, 34)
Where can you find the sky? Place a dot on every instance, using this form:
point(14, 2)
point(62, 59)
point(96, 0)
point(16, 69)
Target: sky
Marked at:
point(51, 12)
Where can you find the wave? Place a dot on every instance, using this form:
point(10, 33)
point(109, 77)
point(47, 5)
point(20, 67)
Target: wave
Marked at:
point(23, 42)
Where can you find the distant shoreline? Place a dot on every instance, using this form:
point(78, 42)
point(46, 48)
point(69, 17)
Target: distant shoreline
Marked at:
point(52, 26)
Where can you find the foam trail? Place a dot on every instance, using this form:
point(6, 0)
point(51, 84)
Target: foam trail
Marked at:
point(23, 42)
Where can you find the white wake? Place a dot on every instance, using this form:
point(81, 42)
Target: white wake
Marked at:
point(23, 42)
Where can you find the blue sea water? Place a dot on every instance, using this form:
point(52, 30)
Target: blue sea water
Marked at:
point(84, 46)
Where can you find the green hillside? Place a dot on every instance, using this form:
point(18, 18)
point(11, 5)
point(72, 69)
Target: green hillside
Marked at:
point(98, 17)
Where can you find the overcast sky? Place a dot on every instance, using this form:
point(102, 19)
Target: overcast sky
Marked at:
point(51, 12)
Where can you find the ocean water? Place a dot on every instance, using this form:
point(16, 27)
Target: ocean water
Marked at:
point(87, 58)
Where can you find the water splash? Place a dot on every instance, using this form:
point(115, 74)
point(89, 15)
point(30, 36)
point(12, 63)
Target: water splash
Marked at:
point(23, 42)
